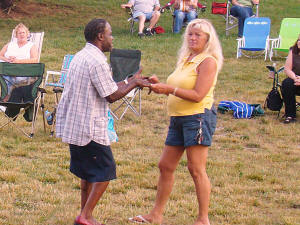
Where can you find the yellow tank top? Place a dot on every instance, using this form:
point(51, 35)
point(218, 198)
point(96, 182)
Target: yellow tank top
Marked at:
point(185, 76)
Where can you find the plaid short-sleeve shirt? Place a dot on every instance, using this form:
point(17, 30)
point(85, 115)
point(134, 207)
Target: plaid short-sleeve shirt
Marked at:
point(82, 111)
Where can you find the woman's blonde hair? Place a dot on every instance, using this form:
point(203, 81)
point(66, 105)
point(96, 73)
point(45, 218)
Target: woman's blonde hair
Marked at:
point(212, 47)
point(19, 26)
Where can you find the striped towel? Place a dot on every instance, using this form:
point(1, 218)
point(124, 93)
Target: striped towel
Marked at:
point(240, 110)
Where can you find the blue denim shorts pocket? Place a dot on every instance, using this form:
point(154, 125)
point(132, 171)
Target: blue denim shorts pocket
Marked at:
point(192, 130)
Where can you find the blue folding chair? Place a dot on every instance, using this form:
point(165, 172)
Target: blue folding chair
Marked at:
point(255, 37)
point(57, 80)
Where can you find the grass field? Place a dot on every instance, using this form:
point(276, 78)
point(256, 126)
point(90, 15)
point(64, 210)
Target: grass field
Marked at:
point(253, 164)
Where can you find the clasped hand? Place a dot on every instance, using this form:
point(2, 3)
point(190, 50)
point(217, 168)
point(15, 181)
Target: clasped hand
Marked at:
point(297, 81)
point(152, 83)
point(11, 59)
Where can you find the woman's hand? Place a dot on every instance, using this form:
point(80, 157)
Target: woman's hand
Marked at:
point(297, 81)
point(161, 88)
point(153, 79)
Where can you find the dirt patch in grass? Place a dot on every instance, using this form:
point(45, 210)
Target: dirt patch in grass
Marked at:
point(23, 9)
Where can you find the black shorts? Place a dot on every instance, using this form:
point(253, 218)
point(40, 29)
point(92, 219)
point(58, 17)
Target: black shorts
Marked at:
point(93, 162)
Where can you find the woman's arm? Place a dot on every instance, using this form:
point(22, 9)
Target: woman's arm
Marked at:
point(177, 4)
point(288, 69)
point(128, 5)
point(2, 52)
point(33, 56)
point(206, 74)
point(289, 65)
point(194, 3)
point(235, 2)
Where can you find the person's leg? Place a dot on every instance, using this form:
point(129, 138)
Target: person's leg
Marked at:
point(241, 13)
point(191, 16)
point(154, 19)
point(167, 165)
point(179, 17)
point(289, 97)
point(96, 191)
point(196, 156)
point(95, 165)
point(142, 19)
point(85, 191)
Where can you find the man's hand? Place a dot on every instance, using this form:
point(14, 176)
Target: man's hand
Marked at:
point(255, 2)
point(140, 82)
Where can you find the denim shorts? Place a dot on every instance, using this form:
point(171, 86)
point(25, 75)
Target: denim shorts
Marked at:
point(93, 162)
point(192, 130)
point(138, 13)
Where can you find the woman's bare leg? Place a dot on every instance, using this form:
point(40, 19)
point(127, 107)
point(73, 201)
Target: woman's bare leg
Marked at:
point(197, 156)
point(167, 165)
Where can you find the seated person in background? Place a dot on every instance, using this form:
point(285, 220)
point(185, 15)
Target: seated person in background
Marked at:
point(21, 50)
point(291, 85)
point(18, 51)
point(144, 10)
point(242, 9)
point(184, 9)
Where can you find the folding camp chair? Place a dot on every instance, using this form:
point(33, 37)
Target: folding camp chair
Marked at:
point(56, 81)
point(20, 92)
point(200, 9)
point(288, 34)
point(125, 63)
point(35, 37)
point(255, 37)
point(132, 20)
point(223, 9)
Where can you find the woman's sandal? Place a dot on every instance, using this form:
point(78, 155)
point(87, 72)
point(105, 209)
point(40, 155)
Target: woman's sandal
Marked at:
point(289, 120)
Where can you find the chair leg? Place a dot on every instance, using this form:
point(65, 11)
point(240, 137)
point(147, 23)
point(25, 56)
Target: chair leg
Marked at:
point(11, 121)
point(129, 105)
point(132, 26)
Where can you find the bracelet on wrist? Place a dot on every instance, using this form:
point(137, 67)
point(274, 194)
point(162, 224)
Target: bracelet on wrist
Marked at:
point(174, 92)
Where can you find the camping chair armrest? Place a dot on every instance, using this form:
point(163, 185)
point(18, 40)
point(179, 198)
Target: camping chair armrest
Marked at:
point(53, 73)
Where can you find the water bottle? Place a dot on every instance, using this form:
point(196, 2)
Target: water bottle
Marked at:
point(49, 117)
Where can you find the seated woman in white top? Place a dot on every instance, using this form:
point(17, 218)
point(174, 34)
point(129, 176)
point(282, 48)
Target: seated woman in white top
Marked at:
point(21, 50)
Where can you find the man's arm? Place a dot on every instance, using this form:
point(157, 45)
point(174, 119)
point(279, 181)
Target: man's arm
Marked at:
point(124, 87)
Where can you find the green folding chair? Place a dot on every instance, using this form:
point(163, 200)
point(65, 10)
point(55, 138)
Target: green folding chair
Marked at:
point(288, 34)
point(21, 93)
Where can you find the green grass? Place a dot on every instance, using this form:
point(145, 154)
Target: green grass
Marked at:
point(253, 164)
